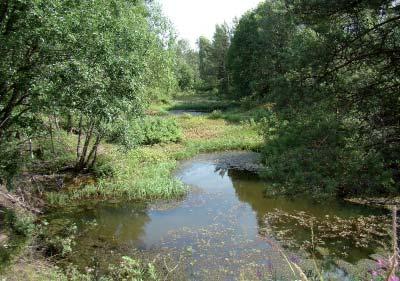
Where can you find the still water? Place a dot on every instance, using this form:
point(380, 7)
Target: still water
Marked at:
point(217, 230)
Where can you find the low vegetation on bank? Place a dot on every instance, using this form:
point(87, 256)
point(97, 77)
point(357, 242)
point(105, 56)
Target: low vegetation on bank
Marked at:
point(145, 172)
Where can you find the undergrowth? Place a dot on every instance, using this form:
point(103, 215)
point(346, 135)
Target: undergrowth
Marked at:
point(145, 172)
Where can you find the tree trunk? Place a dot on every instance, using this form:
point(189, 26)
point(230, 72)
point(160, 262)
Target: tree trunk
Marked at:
point(82, 160)
point(51, 137)
point(78, 147)
point(69, 123)
point(93, 153)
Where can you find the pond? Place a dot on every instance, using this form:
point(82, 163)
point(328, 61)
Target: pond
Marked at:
point(221, 229)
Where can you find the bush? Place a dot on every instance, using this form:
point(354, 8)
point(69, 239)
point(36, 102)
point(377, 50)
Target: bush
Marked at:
point(145, 131)
point(156, 130)
point(316, 153)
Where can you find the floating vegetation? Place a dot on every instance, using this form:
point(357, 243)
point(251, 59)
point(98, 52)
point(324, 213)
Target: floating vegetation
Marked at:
point(213, 233)
point(317, 234)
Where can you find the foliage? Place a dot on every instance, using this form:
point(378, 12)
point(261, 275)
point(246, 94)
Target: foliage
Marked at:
point(19, 223)
point(259, 45)
point(130, 269)
point(212, 60)
point(145, 131)
point(204, 106)
point(187, 66)
point(10, 164)
point(329, 71)
point(127, 270)
point(89, 61)
point(206, 67)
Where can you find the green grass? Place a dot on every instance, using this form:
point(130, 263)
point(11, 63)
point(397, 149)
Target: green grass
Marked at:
point(146, 173)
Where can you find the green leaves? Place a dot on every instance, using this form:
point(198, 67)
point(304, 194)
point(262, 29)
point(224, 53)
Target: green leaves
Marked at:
point(144, 131)
point(98, 60)
point(330, 70)
point(213, 60)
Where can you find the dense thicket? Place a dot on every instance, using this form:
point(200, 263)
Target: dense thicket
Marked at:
point(328, 71)
point(82, 64)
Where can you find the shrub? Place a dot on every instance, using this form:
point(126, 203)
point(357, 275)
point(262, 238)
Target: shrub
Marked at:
point(156, 130)
point(145, 131)
point(104, 167)
point(316, 153)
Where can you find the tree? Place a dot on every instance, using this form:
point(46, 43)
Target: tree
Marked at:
point(329, 75)
point(213, 60)
point(259, 45)
point(28, 35)
point(206, 64)
point(361, 70)
point(220, 46)
point(96, 60)
point(107, 78)
point(187, 66)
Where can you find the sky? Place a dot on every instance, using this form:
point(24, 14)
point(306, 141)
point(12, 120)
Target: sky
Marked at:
point(194, 18)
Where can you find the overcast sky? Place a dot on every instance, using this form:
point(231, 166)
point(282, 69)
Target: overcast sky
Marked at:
point(193, 18)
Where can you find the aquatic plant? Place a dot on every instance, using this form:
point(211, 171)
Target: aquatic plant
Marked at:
point(363, 231)
point(386, 269)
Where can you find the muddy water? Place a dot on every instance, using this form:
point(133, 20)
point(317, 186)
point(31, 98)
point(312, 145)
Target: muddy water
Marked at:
point(215, 231)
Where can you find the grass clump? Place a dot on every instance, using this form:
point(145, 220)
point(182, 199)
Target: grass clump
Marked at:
point(143, 173)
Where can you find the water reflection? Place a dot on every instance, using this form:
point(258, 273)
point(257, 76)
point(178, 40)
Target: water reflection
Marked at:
point(217, 227)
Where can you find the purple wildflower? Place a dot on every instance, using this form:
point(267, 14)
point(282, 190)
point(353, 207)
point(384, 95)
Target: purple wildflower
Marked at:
point(374, 273)
point(381, 263)
point(295, 259)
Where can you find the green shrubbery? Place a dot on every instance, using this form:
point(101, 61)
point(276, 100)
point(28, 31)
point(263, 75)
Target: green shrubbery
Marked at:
point(18, 223)
point(317, 154)
point(145, 131)
point(326, 70)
